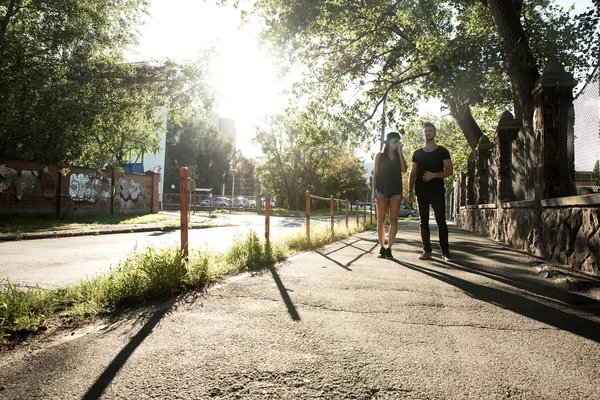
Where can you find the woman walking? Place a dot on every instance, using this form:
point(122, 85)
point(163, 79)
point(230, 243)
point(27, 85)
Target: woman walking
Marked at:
point(387, 189)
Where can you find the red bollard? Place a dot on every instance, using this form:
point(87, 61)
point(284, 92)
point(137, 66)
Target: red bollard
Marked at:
point(308, 214)
point(267, 219)
point(332, 213)
point(183, 199)
point(346, 213)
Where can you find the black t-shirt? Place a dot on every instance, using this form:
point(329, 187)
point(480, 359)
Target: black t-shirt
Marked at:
point(430, 161)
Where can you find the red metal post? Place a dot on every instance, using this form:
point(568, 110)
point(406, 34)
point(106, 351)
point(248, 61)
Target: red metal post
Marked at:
point(332, 207)
point(267, 218)
point(371, 212)
point(357, 212)
point(308, 214)
point(365, 212)
point(183, 199)
point(346, 213)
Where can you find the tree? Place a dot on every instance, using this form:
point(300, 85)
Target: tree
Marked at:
point(194, 142)
point(244, 175)
point(595, 178)
point(302, 155)
point(477, 56)
point(58, 60)
point(67, 95)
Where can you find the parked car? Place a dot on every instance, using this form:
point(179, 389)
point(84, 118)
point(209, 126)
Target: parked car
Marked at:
point(219, 202)
point(407, 211)
point(241, 202)
point(352, 206)
point(252, 203)
point(264, 202)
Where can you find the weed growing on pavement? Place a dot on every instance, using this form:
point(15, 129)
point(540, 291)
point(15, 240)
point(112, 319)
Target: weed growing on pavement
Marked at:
point(147, 274)
point(251, 252)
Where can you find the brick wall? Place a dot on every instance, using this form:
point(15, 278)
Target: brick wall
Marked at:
point(34, 188)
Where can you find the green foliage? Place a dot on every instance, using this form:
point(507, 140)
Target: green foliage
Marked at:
point(68, 97)
point(195, 142)
point(23, 308)
point(304, 155)
point(595, 178)
point(356, 54)
point(251, 252)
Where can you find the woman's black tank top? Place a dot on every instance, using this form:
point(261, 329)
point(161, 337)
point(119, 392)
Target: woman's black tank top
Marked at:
point(389, 175)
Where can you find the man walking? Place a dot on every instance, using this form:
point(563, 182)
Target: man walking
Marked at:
point(430, 165)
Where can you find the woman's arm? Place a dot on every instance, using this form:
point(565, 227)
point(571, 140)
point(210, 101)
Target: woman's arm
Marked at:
point(375, 169)
point(403, 167)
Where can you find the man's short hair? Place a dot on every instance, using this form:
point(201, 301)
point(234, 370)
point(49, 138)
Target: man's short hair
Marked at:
point(426, 124)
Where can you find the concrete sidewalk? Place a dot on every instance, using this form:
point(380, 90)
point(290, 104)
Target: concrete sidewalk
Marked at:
point(339, 323)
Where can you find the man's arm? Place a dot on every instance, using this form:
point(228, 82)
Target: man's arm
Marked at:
point(448, 170)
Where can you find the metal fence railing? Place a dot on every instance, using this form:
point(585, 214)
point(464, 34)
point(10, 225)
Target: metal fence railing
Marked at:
point(587, 139)
point(332, 200)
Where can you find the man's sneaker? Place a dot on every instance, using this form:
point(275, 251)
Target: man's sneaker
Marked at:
point(381, 252)
point(446, 256)
point(426, 255)
point(388, 253)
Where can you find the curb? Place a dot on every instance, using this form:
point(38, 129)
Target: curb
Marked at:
point(56, 235)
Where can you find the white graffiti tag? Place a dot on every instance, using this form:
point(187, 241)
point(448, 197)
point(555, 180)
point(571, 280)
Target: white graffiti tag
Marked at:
point(84, 187)
point(130, 190)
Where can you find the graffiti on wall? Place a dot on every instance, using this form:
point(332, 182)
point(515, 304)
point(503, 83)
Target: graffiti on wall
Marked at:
point(129, 189)
point(89, 188)
point(25, 182)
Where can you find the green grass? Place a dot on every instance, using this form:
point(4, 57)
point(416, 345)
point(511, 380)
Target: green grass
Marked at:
point(148, 274)
point(24, 224)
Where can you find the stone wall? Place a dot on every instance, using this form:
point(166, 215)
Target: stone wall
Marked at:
point(534, 207)
point(565, 231)
point(33, 188)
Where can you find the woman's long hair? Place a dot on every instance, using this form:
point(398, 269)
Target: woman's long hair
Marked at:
point(385, 148)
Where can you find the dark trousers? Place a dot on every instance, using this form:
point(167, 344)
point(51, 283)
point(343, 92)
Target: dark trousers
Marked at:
point(438, 203)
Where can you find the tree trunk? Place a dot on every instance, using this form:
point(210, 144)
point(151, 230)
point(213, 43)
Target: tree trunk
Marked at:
point(470, 128)
point(520, 62)
point(11, 10)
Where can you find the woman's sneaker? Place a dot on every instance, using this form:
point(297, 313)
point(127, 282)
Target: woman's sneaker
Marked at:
point(381, 252)
point(426, 255)
point(388, 253)
point(446, 256)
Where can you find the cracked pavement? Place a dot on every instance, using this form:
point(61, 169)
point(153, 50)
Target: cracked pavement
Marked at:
point(338, 323)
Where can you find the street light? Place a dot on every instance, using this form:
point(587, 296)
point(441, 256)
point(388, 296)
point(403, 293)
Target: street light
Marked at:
point(233, 171)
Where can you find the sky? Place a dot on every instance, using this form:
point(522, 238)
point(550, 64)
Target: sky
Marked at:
point(244, 74)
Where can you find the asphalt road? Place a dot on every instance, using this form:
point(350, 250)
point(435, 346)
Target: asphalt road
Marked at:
point(65, 261)
point(337, 323)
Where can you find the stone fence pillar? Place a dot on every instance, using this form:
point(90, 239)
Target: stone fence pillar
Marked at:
point(470, 195)
point(483, 157)
point(506, 132)
point(554, 121)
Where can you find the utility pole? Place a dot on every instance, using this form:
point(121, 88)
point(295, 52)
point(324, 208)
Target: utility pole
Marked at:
point(382, 124)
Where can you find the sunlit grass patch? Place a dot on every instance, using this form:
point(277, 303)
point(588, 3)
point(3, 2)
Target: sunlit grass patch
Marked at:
point(25, 224)
point(148, 274)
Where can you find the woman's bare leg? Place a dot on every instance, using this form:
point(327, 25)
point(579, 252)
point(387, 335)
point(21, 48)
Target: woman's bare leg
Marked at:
point(382, 207)
point(394, 211)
